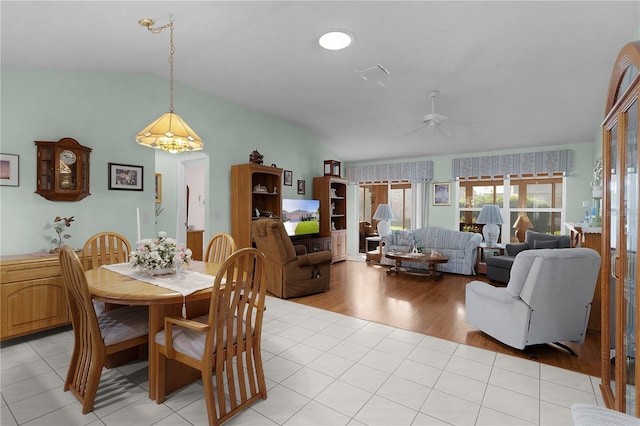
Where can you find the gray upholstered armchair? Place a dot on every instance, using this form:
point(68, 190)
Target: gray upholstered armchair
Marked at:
point(547, 300)
point(499, 267)
point(291, 272)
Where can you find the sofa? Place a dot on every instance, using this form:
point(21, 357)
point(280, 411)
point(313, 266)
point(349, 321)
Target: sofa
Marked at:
point(499, 267)
point(460, 247)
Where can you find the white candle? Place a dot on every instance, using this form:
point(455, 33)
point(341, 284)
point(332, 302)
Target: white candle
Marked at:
point(177, 224)
point(138, 222)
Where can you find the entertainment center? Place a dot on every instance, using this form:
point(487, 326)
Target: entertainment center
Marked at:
point(256, 191)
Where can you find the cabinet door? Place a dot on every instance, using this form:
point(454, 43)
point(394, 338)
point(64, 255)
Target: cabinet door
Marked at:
point(32, 306)
point(339, 245)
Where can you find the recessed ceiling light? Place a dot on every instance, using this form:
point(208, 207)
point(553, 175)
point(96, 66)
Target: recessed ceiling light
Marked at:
point(335, 40)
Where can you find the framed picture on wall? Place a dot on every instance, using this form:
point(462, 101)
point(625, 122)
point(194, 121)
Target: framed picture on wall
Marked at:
point(126, 177)
point(442, 194)
point(158, 187)
point(288, 178)
point(9, 170)
point(301, 187)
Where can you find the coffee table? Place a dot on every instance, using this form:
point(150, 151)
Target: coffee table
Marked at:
point(430, 260)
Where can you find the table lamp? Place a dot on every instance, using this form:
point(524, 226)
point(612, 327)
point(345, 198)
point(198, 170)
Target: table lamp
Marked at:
point(490, 216)
point(384, 216)
point(521, 225)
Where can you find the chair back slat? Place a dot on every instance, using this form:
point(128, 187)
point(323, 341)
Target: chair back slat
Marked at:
point(105, 248)
point(220, 247)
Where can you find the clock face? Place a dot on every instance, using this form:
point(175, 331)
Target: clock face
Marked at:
point(68, 157)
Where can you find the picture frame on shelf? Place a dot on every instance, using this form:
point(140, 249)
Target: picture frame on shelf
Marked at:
point(126, 177)
point(158, 187)
point(442, 194)
point(288, 178)
point(301, 187)
point(9, 170)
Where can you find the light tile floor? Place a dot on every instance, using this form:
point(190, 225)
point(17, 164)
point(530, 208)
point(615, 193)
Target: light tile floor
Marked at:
point(322, 368)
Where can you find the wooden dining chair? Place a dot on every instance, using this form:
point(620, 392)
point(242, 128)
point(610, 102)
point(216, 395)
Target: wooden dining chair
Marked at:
point(95, 336)
point(219, 248)
point(105, 248)
point(226, 341)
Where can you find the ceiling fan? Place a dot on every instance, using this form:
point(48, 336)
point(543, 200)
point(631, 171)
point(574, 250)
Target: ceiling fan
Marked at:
point(434, 119)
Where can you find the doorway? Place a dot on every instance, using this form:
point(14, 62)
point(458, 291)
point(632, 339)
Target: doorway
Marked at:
point(192, 190)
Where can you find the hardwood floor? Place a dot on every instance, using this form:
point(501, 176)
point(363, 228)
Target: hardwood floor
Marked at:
point(364, 290)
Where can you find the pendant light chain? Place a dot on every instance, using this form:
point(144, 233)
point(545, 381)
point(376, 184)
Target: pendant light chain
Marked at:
point(172, 51)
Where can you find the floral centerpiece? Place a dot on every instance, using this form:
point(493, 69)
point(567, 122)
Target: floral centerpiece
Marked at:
point(158, 256)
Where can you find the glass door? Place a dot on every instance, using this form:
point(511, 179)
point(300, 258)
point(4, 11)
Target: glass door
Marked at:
point(629, 236)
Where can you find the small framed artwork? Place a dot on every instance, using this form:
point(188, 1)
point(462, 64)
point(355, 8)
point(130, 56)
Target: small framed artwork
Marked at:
point(442, 194)
point(301, 185)
point(288, 178)
point(158, 187)
point(9, 170)
point(126, 177)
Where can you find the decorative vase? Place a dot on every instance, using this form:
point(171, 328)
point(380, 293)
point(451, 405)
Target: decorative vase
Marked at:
point(159, 271)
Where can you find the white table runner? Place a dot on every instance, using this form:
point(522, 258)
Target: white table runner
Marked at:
point(192, 281)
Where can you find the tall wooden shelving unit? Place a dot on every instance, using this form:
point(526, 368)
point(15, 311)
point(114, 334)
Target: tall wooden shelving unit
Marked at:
point(253, 187)
point(332, 193)
point(620, 269)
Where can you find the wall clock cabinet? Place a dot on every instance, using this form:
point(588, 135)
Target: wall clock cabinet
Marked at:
point(62, 170)
point(620, 268)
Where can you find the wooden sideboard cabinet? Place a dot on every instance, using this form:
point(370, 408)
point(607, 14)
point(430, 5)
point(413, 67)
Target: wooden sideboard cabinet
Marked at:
point(32, 295)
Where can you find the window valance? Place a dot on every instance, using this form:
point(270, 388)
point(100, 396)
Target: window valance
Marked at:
point(531, 163)
point(419, 171)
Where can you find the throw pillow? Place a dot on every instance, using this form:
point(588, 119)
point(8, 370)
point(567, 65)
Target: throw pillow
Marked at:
point(540, 244)
point(404, 238)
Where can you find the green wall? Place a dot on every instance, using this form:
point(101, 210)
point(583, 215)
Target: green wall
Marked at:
point(105, 112)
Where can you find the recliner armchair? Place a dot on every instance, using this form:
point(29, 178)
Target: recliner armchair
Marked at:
point(499, 267)
point(548, 298)
point(291, 272)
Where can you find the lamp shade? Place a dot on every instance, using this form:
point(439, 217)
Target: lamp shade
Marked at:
point(490, 213)
point(384, 215)
point(383, 212)
point(491, 217)
point(170, 133)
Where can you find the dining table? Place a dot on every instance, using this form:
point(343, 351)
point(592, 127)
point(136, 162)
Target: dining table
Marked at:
point(115, 288)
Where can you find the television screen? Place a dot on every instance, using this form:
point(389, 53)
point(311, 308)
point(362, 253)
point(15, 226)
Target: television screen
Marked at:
point(300, 217)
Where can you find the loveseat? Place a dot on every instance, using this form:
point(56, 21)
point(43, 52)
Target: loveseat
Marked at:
point(461, 247)
point(499, 267)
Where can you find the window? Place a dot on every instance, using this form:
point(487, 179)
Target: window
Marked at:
point(397, 195)
point(540, 199)
point(400, 202)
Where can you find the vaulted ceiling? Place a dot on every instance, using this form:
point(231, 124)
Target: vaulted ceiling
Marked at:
point(510, 74)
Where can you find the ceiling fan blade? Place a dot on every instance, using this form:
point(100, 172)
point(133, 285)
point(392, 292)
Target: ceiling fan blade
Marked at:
point(414, 131)
point(447, 131)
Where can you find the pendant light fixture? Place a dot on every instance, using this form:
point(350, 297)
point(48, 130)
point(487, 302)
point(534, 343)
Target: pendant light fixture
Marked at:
point(169, 133)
